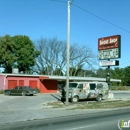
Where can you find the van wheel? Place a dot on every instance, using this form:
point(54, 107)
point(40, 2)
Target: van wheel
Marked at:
point(75, 99)
point(99, 98)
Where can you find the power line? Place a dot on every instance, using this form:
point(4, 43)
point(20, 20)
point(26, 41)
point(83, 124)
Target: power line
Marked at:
point(63, 1)
point(104, 21)
point(101, 18)
point(59, 1)
point(94, 15)
point(125, 63)
point(72, 1)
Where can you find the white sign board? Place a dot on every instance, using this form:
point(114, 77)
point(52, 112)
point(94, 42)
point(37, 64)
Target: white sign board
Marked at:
point(108, 63)
point(107, 54)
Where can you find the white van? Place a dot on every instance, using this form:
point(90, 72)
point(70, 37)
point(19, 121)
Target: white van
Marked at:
point(86, 90)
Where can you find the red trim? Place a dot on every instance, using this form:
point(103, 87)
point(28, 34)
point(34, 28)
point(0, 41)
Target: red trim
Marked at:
point(43, 77)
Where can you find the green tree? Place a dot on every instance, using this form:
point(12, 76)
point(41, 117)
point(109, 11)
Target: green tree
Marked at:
point(117, 73)
point(25, 53)
point(17, 51)
point(126, 76)
point(101, 73)
point(7, 53)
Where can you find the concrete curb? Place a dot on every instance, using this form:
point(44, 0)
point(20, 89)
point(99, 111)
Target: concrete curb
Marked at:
point(111, 95)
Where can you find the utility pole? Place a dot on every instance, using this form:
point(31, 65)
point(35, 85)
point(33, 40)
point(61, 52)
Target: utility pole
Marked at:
point(68, 53)
point(108, 75)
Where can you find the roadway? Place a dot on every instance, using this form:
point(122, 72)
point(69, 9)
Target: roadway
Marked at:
point(121, 94)
point(94, 121)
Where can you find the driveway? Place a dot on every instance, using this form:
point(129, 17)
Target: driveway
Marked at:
point(25, 102)
point(21, 108)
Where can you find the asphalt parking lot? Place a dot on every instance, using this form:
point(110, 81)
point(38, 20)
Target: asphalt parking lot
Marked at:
point(25, 102)
point(26, 108)
point(22, 108)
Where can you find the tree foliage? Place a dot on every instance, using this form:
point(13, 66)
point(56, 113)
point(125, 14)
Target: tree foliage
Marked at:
point(25, 53)
point(7, 53)
point(116, 73)
point(17, 51)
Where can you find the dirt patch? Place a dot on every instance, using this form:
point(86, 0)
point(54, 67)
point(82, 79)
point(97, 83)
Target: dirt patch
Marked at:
point(91, 105)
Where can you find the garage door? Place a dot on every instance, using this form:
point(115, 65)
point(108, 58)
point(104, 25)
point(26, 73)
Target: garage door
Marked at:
point(21, 82)
point(33, 83)
point(12, 84)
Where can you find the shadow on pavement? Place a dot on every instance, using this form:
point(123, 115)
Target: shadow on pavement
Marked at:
point(56, 97)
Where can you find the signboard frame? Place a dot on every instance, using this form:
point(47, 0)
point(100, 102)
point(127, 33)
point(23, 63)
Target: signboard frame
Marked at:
point(109, 47)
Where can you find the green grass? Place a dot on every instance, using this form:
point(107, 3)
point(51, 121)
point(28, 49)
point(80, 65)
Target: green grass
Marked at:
point(120, 88)
point(104, 105)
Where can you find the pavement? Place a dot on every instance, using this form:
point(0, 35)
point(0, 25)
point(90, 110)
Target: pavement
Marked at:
point(120, 91)
point(19, 108)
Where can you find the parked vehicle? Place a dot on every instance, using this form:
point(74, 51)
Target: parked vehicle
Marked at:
point(86, 90)
point(22, 90)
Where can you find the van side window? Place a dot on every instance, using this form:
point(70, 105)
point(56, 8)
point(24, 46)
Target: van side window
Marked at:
point(80, 86)
point(92, 86)
point(99, 86)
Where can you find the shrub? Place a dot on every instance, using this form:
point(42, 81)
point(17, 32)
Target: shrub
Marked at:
point(119, 88)
point(1, 91)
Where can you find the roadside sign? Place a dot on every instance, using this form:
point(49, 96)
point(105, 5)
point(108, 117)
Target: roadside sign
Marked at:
point(109, 63)
point(109, 47)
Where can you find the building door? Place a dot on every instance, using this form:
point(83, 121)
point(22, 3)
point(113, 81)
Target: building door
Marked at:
point(21, 82)
point(12, 84)
point(33, 83)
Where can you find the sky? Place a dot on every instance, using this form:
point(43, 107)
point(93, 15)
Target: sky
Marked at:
point(90, 20)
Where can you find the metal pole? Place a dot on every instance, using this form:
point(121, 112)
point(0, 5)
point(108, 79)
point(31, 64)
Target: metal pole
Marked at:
point(68, 53)
point(109, 74)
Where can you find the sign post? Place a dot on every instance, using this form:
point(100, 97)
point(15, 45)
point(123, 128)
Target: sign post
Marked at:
point(109, 48)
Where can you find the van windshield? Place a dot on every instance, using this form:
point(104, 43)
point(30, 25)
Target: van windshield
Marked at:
point(73, 85)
